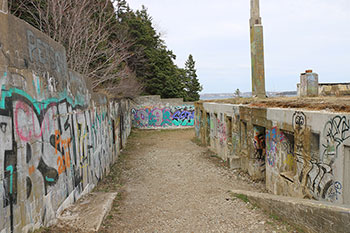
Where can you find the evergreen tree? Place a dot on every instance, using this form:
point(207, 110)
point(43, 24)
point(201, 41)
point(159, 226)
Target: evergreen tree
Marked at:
point(192, 85)
point(152, 61)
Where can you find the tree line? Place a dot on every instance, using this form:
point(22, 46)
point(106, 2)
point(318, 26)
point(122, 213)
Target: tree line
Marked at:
point(115, 47)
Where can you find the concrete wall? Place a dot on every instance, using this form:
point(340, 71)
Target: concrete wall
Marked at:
point(152, 112)
point(331, 89)
point(57, 138)
point(298, 153)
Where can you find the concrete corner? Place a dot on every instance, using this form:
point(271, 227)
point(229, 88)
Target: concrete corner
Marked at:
point(88, 213)
point(309, 215)
point(4, 6)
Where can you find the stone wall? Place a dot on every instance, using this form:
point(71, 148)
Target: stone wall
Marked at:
point(298, 153)
point(152, 112)
point(57, 138)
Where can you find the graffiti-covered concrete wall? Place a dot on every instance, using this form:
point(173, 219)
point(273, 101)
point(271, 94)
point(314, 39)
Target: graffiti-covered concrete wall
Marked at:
point(298, 153)
point(57, 138)
point(152, 112)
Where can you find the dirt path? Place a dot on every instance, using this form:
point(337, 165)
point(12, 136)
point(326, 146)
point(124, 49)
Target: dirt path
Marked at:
point(170, 184)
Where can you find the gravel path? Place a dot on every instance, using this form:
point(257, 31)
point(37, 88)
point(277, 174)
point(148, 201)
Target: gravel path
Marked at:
point(170, 184)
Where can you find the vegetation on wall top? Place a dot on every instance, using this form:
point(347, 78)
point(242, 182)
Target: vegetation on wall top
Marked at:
point(115, 47)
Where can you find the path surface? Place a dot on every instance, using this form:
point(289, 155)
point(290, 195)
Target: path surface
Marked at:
point(170, 184)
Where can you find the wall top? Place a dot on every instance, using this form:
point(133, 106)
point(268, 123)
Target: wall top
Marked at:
point(3, 6)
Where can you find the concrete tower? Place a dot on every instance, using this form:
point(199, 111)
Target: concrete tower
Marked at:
point(257, 51)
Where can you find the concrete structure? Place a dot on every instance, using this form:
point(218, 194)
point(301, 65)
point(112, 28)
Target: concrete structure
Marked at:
point(3, 6)
point(152, 112)
point(257, 51)
point(308, 215)
point(299, 153)
point(57, 137)
point(308, 84)
point(88, 213)
point(330, 89)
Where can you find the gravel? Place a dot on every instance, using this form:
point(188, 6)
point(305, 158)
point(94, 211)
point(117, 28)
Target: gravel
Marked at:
point(170, 184)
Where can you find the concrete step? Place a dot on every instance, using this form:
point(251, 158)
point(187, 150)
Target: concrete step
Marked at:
point(309, 215)
point(88, 213)
point(234, 162)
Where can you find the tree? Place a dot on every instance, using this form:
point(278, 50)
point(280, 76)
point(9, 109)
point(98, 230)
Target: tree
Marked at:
point(237, 93)
point(96, 44)
point(152, 61)
point(192, 85)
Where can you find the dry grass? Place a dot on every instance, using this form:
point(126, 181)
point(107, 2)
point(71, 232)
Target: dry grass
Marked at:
point(335, 104)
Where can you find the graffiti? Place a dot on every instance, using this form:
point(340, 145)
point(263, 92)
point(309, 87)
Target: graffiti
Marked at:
point(271, 146)
point(44, 55)
point(259, 142)
point(287, 149)
point(320, 182)
point(10, 169)
point(198, 124)
point(334, 191)
point(336, 131)
point(163, 117)
point(299, 121)
point(52, 149)
point(221, 132)
point(302, 164)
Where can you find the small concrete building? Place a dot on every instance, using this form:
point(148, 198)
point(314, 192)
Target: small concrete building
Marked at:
point(292, 145)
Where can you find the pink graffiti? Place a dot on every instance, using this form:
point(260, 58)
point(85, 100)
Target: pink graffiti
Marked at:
point(31, 132)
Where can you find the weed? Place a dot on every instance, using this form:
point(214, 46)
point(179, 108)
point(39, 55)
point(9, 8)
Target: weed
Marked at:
point(242, 197)
point(197, 141)
point(275, 217)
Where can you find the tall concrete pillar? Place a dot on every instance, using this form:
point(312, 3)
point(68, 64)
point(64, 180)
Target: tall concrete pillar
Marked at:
point(257, 51)
point(308, 84)
point(3, 6)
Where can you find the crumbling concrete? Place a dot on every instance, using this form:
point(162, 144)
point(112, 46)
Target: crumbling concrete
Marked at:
point(311, 216)
point(57, 137)
point(298, 152)
point(88, 213)
point(3, 6)
point(308, 84)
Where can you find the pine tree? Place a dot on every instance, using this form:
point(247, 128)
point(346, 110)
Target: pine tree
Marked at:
point(192, 85)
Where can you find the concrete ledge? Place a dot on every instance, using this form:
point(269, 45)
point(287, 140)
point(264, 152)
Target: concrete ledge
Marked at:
point(309, 215)
point(88, 213)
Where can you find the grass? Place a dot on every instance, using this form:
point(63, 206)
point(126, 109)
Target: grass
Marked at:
point(198, 142)
point(243, 197)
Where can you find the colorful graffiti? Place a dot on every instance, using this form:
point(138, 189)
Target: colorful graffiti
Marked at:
point(221, 132)
point(151, 117)
point(287, 150)
point(271, 146)
point(259, 142)
point(50, 149)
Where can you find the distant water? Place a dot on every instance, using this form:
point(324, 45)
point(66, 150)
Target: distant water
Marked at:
point(214, 96)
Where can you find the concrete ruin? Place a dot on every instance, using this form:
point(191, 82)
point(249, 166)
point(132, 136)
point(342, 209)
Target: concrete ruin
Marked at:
point(257, 51)
point(297, 152)
point(57, 137)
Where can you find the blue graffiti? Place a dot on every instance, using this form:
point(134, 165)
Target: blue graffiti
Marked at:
point(10, 169)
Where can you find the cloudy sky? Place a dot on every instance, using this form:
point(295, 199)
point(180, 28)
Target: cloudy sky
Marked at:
point(298, 35)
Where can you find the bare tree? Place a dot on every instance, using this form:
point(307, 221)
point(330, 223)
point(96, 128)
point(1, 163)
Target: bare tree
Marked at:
point(96, 47)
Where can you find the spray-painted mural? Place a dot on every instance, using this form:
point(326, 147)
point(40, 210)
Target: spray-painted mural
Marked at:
point(56, 141)
point(305, 152)
point(163, 117)
point(51, 150)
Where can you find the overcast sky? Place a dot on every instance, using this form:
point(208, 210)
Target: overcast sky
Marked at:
point(298, 35)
